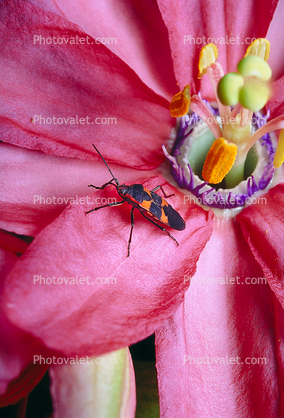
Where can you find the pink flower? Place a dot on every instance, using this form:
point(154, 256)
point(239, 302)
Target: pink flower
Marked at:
point(43, 80)
point(99, 318)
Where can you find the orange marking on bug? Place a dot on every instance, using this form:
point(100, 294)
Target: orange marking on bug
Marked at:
point(164, 218)
point(146, 204)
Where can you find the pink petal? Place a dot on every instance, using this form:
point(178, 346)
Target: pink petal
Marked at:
point(133, 30)
point(276, 104)
point(262, 226)
point(73, 82)
point(276, 56)
point(37, 187)
point(16, 347)
point(218, 21)
point(97, 387)
point(11, 247)
point(129, 297)
point(222, 321)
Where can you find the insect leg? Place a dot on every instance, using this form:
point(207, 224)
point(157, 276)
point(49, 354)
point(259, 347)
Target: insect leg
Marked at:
point(105, 206)
point(160, 187)
point(103, 186)
point(159, 226)
point(131, 230)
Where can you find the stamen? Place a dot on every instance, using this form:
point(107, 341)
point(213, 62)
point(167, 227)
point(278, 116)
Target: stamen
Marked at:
point(219, 160)
point(179, 105)
point(207, 56)
point(279, 155)
point(215, 73)
point(199, 107)
point(273, 125)
point(259, 47)
point(236, 110)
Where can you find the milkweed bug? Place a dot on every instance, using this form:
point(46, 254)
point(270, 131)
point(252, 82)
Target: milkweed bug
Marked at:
point(152, 206)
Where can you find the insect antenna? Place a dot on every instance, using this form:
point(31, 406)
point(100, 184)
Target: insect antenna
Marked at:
point(114, 178)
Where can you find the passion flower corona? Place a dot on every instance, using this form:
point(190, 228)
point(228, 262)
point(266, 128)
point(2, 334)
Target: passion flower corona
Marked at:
point(225, 152)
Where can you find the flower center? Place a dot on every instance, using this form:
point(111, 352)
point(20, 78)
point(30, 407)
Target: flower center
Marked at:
point(231, 148)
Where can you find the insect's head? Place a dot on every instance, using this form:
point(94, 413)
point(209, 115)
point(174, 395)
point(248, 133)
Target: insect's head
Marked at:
point(122, 190)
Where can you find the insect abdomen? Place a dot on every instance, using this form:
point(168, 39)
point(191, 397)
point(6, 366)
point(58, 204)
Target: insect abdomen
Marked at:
point(175, 221)
point(163, 211)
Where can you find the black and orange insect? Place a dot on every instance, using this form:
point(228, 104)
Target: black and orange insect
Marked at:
point(152, 206)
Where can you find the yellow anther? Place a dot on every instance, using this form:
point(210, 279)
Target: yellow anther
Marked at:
point(219, 160)
point(279, 155)
point(179, 105)
point(259, 47)
point(207, 56)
